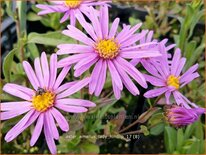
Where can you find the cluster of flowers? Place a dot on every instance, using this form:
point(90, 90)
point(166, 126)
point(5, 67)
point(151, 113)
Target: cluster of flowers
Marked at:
point(106, 49)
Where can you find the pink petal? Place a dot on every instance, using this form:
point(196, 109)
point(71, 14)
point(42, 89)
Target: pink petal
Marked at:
point(71, 59)
point(88, 27)
point(117, 92)
point(189, 71)
point(73, 89)
point(15, 92)
point(154, 80)
point(61, 77)
point(49, 139)
point(104, 20)
point(175, 61)
point(51, 125)
point(60, 119)
point(140, 54)
point(45, 69)
point(31, 75)
point(15, 112)
point(84, 68)
point(85, 60)
point(115, 75)
point(38, 71)
point(95, 22)
point(127, 81)
point(132, 71)
point(72, 18)
point(73, 48)
point(53, 70)
point(65, 17)
point(23, 89)
point(25, 122)
point(113, 29)
point(65, 86)
point(76, 102)
point(78, 35)
point(180, 66)
point(71, 109)
point(155, 92)
point(102, 79)
point(37, 130)
point(9, 106)
point(95, 76)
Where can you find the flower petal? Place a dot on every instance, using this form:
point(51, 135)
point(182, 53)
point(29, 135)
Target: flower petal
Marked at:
point(60, 119)
point(45, 69)
point(132, 71)
point(37, 130)
point(9, 106)
point(15, 112)
point(102, 79)
point(61, 77)
point(115, 75)
point(155, 92)
point(49, 139)
point(53, 70)
point(95, 76)
point(113, 29)
point(71, 109)
point(31, 75)
point(51, 124)
point(76, 102)
point(73, 89)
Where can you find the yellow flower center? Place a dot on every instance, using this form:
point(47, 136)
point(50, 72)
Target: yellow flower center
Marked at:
point(73, 3)
point(107, 49)
point(43, 101)
point(173, 81)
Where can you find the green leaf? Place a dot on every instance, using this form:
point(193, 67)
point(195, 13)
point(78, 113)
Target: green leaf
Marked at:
point(9, 9)
point(144, 129)
point(170, 139)
point(89, 148)
point(189, 130)
point(50, 38)
point(33, 17)
point(22, 8)
point(157, 129)
point(199, 133)
point(180, 139)
point(7, 64)
point(32, 51)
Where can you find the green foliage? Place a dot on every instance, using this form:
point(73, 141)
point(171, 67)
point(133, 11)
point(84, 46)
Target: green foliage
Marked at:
point(49, 38)
point(185, 141)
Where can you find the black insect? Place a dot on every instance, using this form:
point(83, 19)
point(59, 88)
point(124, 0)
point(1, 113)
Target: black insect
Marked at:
point(40, 91)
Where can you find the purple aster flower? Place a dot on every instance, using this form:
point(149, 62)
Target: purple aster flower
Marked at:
point(166, 75)
point(104, 49)
point(146, 62)
point(42, 102)
point(70, 8)
point(179, 116)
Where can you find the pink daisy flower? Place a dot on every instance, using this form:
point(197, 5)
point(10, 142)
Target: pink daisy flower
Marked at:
point(105, 49)
point(70, 8)
point(166, 75)
point(179, 116)
point(146, 62)
point(42, 102)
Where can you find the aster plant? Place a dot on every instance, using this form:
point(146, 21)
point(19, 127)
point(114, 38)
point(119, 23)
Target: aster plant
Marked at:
point(106, 49)
point(69, 8)
point(84, 81)
point(166, 75)
point(41, 102)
